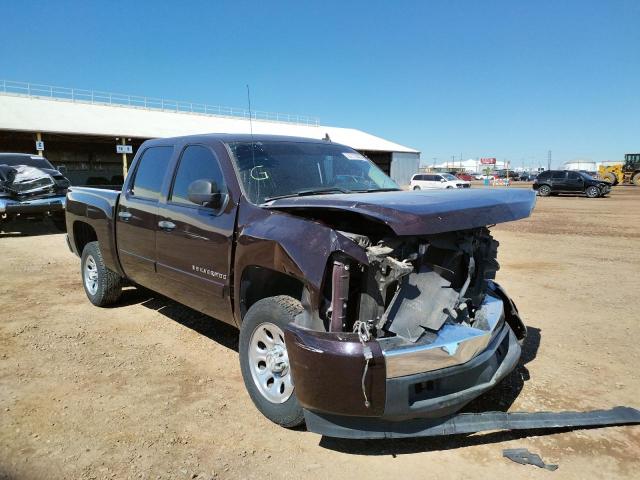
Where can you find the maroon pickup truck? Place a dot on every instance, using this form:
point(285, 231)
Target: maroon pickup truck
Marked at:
point(363, 309)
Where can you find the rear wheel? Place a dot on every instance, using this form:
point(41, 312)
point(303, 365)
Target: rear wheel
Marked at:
point(636, 179)
point(102, 286)
point(592, 192)
point(264, 361)
point(544, 190)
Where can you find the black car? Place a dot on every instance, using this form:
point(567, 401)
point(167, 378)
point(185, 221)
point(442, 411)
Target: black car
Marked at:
point(514, 176)
point(569, 181)
point(31, 188)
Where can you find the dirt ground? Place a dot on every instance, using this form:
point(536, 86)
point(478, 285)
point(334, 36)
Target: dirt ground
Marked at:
point(150, 389)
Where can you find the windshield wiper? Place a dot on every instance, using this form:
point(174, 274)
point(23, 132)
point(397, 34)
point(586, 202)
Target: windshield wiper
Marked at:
point(389, 189)
point(304, 193)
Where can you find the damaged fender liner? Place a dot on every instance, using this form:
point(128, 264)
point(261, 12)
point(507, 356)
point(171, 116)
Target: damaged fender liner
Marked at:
point(358, 428)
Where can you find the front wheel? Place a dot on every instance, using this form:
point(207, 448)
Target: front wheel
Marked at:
point(416, 187)
point(102, 286)
point(264, 361)
point(544, 190)
point(592, 192)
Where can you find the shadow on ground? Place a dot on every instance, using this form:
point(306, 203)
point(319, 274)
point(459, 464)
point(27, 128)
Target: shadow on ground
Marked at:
point(27, 228)
point(220, 332)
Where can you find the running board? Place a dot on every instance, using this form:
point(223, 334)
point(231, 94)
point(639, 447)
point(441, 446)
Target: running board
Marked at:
point(366, 428)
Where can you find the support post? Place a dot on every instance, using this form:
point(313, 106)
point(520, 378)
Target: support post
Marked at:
point(124, 160)
point(39, 139)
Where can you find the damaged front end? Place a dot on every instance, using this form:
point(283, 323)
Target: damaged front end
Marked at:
point(418, 331)
point(28, 190)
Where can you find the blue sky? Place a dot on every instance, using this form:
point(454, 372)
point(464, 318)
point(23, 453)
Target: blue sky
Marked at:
point(510, 79)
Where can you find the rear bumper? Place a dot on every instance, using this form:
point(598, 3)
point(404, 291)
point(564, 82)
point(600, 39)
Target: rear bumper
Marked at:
point(37, 206)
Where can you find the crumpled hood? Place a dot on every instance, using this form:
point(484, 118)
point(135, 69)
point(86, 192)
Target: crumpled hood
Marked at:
point(27, 180)
point(424, 212)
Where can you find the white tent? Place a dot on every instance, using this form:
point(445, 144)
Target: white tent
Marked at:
point(470, 165)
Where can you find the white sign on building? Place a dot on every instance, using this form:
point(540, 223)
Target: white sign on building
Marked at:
point(124, 149)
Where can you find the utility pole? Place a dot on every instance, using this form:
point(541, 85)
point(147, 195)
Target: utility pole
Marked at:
point(549, 160)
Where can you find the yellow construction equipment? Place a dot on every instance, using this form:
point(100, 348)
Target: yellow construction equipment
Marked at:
point(628, 173)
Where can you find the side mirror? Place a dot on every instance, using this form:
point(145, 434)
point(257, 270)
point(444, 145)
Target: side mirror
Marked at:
point(205, 193)
point(442, 180)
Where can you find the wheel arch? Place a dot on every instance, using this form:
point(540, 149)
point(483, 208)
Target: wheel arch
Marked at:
point(258, 282)
point(83, 233)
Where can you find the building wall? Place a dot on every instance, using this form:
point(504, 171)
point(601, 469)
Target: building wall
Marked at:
point(403, 166)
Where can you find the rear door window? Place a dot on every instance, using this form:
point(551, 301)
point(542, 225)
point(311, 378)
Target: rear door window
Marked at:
point(150, 172)
point(558, 175)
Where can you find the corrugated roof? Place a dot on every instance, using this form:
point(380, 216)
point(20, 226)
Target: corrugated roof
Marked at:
point(60, 116)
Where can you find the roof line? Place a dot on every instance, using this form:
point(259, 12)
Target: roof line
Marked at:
point(96, 97)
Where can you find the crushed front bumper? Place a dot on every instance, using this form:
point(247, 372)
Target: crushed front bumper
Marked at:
point(53, 204)
point(403, 383)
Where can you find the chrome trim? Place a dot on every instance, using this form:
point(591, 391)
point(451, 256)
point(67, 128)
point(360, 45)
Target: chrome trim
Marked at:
point(38, 201)
point(455, 344)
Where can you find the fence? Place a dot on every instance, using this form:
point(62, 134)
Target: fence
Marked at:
point(95, 97)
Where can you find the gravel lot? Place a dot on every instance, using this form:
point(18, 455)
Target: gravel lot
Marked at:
point(150, 389)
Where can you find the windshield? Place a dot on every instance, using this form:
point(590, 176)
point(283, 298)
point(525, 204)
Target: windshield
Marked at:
point(274, 169)
point(31, 161)
point(449, 177)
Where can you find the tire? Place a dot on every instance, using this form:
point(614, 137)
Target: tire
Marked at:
point(544, 190)
point(636, 179)
point(611, 178)
point(449, 187)
point(416, 187)
point(102, 286)
point(60, 222)
point(276, 397)
point(592, 192)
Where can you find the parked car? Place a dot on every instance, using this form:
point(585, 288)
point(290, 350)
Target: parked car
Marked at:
point(423, 181)
point(31, 188)
point(368, 307)
point(552, 182)
point(528, 176)
point(484, 176)
point(513, 176)
point(464, 176)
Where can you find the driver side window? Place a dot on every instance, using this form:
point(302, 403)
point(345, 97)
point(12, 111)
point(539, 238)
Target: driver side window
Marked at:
point(197, 162)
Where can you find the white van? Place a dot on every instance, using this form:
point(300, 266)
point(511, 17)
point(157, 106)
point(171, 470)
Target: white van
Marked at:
point(422, 181)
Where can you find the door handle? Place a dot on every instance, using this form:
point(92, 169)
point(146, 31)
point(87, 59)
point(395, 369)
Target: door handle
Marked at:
point(125, 216)
point(166, 225)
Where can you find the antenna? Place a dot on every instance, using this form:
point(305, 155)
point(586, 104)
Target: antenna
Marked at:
point(253, 144)
point(250, 114)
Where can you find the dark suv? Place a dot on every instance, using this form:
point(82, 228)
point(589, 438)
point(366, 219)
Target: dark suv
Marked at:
point(568, 181)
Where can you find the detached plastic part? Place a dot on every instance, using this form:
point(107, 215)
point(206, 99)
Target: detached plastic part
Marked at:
point(525, 457)
point(353, 427)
